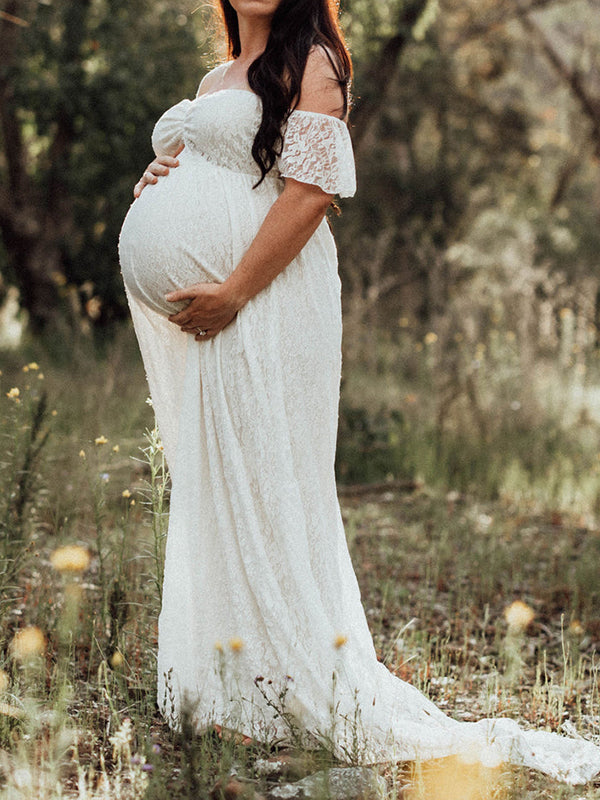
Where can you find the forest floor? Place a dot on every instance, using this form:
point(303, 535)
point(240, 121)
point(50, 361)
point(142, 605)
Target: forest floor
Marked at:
point(440, 574)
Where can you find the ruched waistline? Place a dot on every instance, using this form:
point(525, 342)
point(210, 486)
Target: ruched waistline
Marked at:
point(255, 175)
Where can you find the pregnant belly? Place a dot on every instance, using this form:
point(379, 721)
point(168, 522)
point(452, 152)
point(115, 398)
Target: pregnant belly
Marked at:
point(192, 226)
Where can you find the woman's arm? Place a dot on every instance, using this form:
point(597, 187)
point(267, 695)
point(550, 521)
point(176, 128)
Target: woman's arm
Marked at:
point(291, 221)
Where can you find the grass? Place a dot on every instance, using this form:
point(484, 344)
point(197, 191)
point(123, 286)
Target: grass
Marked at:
point(438, 566)
point(473, 418)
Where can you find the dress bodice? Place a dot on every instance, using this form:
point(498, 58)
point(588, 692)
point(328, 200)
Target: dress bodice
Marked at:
point(220, 126)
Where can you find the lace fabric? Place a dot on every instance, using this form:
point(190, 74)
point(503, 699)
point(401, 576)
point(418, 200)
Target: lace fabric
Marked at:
point(256, 548)
point(317, 149)
point(167, 135)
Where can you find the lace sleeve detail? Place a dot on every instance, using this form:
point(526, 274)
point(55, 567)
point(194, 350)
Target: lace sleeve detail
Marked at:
point(317, 150)
point(167, 136)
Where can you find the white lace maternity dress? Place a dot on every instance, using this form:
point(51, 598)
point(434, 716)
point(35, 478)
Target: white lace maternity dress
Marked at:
point(258, 579)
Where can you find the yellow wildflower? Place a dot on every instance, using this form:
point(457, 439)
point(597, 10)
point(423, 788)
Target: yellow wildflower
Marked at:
point(59, 278)
point(33, 366)
point(82, 454)
point(464, 777)
point(115, 448)
point(518, 616)
point(70, 558)
point(116, 660)
point(125, 493)
point(100, 440)
point(94, 307)
point(13, 393)
point(340, 640)
point(132, 502)
point(41, 376)
point(576, 629)
point(54, 412)
point(28, 642)
point(219, 647)
point(236, 644)
point(430, 338)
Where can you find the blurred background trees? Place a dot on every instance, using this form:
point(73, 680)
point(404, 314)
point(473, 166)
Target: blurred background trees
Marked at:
point(80, 85)
point(469, 256)
point(477, 148)
point(466, 114)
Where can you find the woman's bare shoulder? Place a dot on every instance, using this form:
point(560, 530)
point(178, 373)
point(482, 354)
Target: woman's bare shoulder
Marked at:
point(212, 80)
point(321, 91)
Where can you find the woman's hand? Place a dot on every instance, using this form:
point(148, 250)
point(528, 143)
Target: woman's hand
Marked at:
point(155, 169)
point(289, 224)
point(211, 308)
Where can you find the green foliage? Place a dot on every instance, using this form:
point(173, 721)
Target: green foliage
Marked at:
point(24, 434)
point(472, 417)
point(436, 572)
point(459, 112)
point(90, 80)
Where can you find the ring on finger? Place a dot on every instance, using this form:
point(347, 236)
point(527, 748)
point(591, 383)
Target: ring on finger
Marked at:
point(201, 332)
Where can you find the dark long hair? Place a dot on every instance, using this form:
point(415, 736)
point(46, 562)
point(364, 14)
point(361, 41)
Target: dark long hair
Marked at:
point(276, 75)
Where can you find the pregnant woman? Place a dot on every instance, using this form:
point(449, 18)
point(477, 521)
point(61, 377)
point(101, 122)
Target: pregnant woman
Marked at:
point(231, 274)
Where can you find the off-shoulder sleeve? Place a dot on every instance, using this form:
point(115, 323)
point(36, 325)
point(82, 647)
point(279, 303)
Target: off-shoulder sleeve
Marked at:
point(317, 150)
point(167, 136)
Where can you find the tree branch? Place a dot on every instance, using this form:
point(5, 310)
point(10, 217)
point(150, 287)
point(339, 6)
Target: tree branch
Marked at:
point(499, 19)
point(381, 73)
point(590, 105)
point(9, 124)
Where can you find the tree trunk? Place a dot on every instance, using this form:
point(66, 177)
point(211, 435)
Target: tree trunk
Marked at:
point(36, 259)
point(381, 75)
point(37, 221)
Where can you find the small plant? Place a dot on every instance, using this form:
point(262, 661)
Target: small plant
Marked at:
point(156, 499)
point(24, 434)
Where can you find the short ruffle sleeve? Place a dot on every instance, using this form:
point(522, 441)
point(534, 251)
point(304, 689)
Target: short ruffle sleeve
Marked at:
point(167, 136)
point(317, 149)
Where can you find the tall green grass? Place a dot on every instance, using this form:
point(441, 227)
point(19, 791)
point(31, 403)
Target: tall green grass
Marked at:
point(472, 419)
point(83, 468)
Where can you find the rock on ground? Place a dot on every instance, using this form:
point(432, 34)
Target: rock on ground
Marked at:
point(349, 783)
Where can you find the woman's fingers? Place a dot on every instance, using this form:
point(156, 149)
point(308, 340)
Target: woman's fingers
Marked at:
point(182, 317)
point(155, 169)
point(180, 294)
point(161, 165)
point(208, 309)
